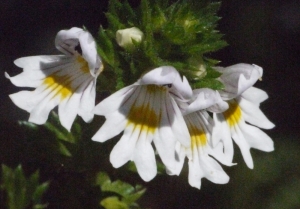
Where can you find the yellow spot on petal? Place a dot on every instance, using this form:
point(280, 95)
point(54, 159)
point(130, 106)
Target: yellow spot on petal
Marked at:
point(233, 114)
point(59, 85)
point(198, 137)
point(143, 118)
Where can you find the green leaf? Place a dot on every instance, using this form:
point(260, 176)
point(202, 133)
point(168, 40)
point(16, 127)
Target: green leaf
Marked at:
point(28, 124)
point(102, 178)
point(128, 194)
point(113, 203)
point(208, 83)
point(21, 191)
point(118, 187)
point(64, 150)
point(60, 132)
point(132, 198)
point(39, 191)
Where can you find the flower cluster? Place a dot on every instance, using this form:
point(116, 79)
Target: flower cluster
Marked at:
point(159, 110)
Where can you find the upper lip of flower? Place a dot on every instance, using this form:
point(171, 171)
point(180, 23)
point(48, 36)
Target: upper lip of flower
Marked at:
point(67, 40)
point(169, 77)
point(238, 78)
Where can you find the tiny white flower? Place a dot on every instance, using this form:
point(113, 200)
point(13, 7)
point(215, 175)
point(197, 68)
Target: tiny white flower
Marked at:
point(146, 111)
point(124, 37)
point(202, 157)
point(68, 80)
point(243, 101)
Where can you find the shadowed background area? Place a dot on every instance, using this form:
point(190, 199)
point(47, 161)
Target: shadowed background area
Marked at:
point(262, 32)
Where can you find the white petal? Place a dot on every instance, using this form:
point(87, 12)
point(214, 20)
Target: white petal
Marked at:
point(206, 167)
point(114, 101)
point(252, 114)
point(180, 153)
point(256, 138)
point(178, 124)
point(87, 102)
point(195, 173)
point(39, 103)
point(241, 141)
point(67, 110)
point(164, 142)
point(213, 171)
point(255, 95)
point(21, 100)
point(206, 98)
point(221, 137)
point(40, 112)
point(114, 124)
point(144, 158)
point(36, 63)
point(36, 68)
point(23, 80)
point(89, 53)
point(123, 151)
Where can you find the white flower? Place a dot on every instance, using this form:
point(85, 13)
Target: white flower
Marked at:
point(243, 108)
point(124, 37)
point(146, 111)
point(65, 80)
point(201, 155)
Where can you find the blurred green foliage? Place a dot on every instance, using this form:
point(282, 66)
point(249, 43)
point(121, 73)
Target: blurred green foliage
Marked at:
point(22, 192)
point(274, 183)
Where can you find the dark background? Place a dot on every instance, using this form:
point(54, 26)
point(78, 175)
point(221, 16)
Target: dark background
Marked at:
point(266, 33)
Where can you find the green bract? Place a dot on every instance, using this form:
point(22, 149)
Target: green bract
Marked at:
point(179, 34)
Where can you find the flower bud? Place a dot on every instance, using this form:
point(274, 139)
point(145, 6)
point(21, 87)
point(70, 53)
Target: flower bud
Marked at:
point(126, 36)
